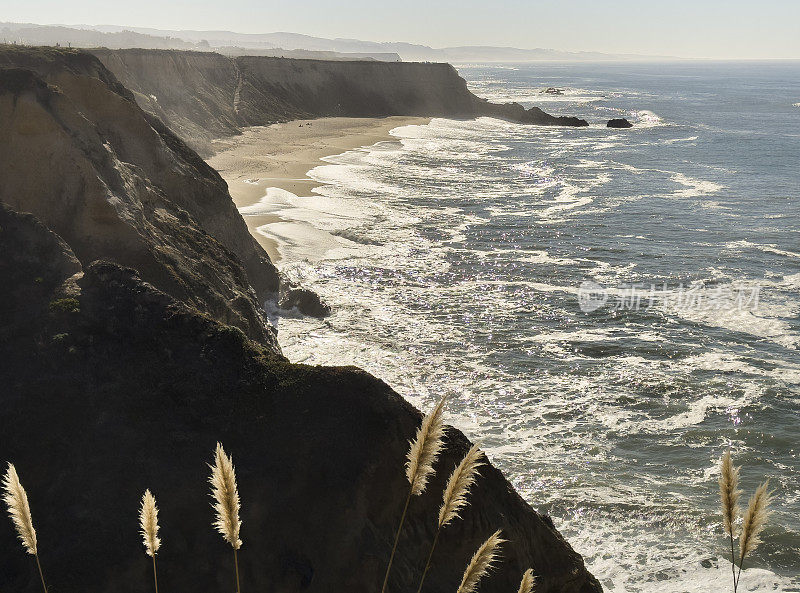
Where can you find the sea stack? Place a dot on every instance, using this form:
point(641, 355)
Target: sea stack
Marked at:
point(619, 122)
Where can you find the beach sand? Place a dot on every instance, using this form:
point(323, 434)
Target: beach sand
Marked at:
point(280, 155)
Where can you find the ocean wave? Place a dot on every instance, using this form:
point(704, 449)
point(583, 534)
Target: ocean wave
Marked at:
point(694, 188)
point(450, 273)
point(504, 94)
point(767, 248)
point(677, 140)
point(646, 119)
point(274, 199)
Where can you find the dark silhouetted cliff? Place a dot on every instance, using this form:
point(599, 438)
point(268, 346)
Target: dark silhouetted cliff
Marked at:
point(110, 386)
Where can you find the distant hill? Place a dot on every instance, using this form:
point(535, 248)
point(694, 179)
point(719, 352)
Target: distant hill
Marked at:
point(407, 51)
point(296, 45)
point(114, 37)
point(30, 34)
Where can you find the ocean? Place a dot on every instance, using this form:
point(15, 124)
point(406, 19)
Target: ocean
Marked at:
point(607, 310)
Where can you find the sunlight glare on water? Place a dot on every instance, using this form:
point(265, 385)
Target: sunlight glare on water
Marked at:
point(453, 256)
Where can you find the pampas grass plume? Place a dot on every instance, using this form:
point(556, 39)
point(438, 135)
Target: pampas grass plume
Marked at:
point(462, 478)
point(455, 497)
point(16, 500)
point(755, 518)
point(528, 582)
point(148, 521)
point(226, 502)
point(481, 563)
point(424, 449)
point(19, 510)
point(226, 497)
point(729, 493)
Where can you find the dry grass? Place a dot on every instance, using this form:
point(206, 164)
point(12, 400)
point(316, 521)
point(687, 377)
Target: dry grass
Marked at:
point(481, 563)
point(19, 510)
point(528, 582)
point(226, 505)
point(457, 490)
point(424, 449)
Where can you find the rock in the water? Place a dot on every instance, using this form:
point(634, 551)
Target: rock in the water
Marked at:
point(620, 122)
point(305, 301)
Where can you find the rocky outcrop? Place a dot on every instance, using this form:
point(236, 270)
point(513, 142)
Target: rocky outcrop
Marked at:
point(304, 301)
point(619, 123)
point(34, 270)
point(115, 183)
point(533, 115)
point(203, 95)
point(121, 388)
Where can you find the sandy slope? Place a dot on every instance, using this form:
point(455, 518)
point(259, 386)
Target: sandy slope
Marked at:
point(280, 155)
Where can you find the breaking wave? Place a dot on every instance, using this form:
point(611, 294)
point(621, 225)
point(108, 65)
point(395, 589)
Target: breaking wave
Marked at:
point(453, 257)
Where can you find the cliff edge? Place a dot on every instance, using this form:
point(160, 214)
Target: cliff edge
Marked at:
point(111, 386)
point(114, 182)
point(204, 95)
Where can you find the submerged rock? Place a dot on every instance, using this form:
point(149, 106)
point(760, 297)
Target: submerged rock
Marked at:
point(619, 123)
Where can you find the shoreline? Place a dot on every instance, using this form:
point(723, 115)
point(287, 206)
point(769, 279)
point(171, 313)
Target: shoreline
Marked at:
point(281, 155)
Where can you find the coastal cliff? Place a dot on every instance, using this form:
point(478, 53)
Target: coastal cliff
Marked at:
point(114, 182)
point(127, 388)
point(204, 95)
point(132, 340)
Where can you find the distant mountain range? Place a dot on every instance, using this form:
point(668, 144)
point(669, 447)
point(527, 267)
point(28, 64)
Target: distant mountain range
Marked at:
point(285, 44)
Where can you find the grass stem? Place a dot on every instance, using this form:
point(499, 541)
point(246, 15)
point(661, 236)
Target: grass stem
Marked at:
point(397, 539)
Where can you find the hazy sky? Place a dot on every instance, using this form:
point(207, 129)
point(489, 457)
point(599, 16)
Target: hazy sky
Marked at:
point(691, 28)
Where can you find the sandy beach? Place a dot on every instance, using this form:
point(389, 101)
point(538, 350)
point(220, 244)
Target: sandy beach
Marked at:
point(280, 155)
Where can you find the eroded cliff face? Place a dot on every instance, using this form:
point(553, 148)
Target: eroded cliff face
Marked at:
point(115, 183)
point(203, 95)
point(192, 92)
point(364, 89)
point(120, 387)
